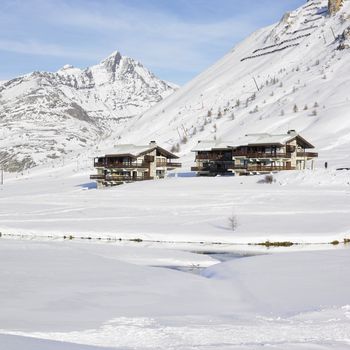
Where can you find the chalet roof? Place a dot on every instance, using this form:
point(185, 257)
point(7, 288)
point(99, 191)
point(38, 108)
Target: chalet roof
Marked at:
point(208, 145)
point(134, 151)
point(252, 140)
point(271, 139)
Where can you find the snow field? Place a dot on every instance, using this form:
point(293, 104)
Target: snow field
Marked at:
point(290, 301)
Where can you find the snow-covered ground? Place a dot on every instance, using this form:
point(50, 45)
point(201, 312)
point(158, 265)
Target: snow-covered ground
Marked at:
point(301, 207)
point(123, 295)
point(96, 295)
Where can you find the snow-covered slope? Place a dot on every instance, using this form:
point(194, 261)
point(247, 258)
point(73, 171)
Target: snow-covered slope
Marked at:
point(46, 115)
point(302, 83)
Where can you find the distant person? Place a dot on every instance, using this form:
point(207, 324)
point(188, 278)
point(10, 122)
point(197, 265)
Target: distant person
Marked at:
point(326, 165)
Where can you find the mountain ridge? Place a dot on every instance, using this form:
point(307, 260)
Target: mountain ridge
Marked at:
point(46, 115)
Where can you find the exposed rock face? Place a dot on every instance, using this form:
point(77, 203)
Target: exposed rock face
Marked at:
point(44, 116)
point(344, 41)
point(334, 6)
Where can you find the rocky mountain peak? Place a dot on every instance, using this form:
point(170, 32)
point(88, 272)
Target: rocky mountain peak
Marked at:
point(112, 61)
point(45, 116)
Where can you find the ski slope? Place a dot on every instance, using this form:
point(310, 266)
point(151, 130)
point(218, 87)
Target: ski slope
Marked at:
point(293, 63)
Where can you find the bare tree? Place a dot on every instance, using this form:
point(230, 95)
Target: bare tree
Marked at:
point(233, 222)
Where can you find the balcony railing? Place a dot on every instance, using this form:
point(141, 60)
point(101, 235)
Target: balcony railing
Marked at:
point(97, 177)
point(260, 154)
point(123, 165)
point(169, 164)
point(245, 168)
point(215, 157)
point(262, 168)
point(118, 178)
point(307, 154)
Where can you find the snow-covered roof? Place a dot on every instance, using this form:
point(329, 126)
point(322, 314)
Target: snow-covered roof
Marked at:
point(138, 150)
point(251, 140)
point(131, 149)
point(207, 145)
point(266, 139)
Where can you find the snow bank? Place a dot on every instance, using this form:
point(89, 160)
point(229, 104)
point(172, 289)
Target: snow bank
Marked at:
point(288, 284)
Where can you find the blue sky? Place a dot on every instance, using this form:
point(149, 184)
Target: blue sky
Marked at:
point(176, 39)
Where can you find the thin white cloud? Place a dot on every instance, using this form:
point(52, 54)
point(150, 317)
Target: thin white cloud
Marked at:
point(159, 39)
point(33, 47)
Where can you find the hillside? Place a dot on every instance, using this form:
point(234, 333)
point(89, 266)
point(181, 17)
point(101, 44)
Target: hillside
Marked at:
point(301, 68)
point(45, 116)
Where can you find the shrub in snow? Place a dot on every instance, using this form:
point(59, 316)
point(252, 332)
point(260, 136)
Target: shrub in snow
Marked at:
point(175, 148)
point(306, 108)
point(255, 110)
point(276, 244)
point(233, 222)
point(295, 109)
point(268, 179)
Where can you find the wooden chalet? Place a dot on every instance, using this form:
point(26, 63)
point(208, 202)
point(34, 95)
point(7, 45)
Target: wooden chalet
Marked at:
point(253, 154)
point(131, 163)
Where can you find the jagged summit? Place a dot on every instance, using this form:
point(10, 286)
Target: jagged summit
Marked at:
point(44, 116)
point(112, 61)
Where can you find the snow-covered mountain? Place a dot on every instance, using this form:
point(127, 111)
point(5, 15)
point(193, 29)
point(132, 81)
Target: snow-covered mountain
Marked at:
point(291, 75)
point(44, 115)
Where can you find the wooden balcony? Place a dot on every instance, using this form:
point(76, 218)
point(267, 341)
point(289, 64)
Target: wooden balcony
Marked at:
point(262, 168)
point(213, 157)
point(245, 168)
point(307, 154)
point(260, 155)
point(119, 178)
point(97, 177)
point(168, 164)
point(125, 165)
